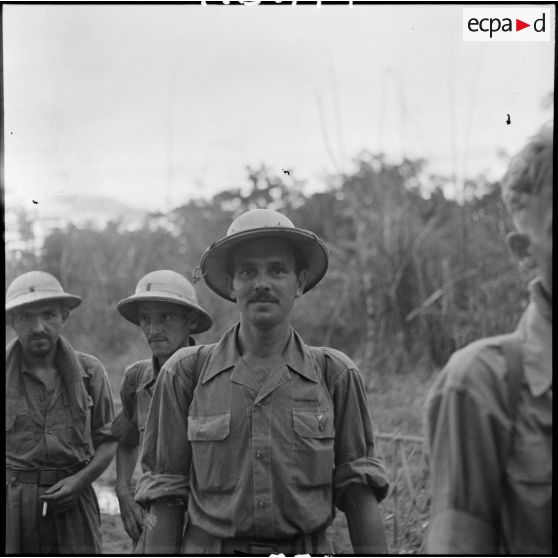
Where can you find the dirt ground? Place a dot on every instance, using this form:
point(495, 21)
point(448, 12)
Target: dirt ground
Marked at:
point(115, 539)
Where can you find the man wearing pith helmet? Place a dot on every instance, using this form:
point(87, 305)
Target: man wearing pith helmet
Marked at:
point(268, 434)
point(58, 425)
point(165, 307)
point(489, 413)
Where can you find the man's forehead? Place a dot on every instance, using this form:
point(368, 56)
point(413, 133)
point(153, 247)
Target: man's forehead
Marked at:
point(263, 248)
point(40, 307)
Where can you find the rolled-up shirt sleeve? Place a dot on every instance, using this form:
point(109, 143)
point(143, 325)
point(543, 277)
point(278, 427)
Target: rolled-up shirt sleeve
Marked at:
point(102, 412)
point(166, 453)
point(466, 444)
point(355, 461)
point(124, 427)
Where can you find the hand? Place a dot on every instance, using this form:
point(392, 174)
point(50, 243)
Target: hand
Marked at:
point(64, 494)
point(132, 514)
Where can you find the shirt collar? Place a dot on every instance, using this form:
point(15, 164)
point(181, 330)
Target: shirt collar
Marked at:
point(31, 372)
point(297, 358)
point(155, 368)
point(226, 355)
point(536, 330)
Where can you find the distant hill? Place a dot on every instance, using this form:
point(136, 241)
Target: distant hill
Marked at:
point(29, 221)
point(75, 206)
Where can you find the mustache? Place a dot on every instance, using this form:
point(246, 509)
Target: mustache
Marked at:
point(262, 297)
point(156, 338)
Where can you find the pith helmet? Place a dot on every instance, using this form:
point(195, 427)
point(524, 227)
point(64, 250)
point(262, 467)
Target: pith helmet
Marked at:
point(165, 285)
point(260, 223)
point(37, 286)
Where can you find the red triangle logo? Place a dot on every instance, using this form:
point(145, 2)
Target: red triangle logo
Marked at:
point(519, 25)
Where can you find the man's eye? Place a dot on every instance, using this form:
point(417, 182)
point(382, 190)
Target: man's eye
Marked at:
point(244, 273)
point(167, 317)
point(144, 320)
point(278, 270)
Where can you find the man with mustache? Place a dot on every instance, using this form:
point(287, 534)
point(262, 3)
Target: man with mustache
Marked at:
point(165, 307)
point(489, 419)
point(58, 419)
point(259, 436)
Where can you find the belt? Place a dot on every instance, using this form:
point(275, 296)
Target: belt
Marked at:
point(42, 477)
point(302, 544)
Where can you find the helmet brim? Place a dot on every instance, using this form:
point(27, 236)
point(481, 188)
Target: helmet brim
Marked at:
point(128, 308)
point(313, 251)
point(70, 301)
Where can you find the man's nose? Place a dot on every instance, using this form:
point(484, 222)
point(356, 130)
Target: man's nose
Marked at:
point(261, 282)
point(38, 325)
point(156, 326)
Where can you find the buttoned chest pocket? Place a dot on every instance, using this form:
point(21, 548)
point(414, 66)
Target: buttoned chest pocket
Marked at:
point(209, 436)
point(531, 462)
point(22, 433)
point(313, 447)
point(529, 490)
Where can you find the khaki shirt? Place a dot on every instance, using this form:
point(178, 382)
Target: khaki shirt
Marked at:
point(135, 393)
point(40, 430)
point(267, 462)
point(483, 500)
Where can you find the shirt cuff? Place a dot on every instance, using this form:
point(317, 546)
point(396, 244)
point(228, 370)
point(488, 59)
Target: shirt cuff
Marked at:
point(102, 434)
point(125, 431)
point(367, 471)
point(458, 532)
point(152, 486)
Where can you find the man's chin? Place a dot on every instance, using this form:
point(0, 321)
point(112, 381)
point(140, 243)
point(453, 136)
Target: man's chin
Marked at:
point(264, 320)
point(41, 350)
point(161, 354)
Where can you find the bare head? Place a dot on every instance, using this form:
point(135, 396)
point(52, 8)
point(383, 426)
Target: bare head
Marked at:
point(527, 191)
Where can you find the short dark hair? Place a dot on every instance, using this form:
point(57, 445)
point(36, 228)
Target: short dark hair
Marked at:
point(530, 171)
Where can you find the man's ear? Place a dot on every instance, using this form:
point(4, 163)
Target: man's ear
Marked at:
point(520, 245)
point(192, 321)
point(231, 289)
point(65, 314)
point(302, 277)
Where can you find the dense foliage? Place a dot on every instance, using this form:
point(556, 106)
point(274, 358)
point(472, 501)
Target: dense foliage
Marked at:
point(413, 274)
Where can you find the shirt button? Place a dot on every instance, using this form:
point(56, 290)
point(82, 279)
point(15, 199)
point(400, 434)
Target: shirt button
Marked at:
point(261, 504)
point(259, 454)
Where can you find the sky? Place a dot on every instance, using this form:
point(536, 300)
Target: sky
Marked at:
point(157, 104)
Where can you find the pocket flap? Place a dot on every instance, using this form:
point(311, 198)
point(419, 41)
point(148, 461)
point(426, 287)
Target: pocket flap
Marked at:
point(313, 423)
point(14, 408)
point(209, 428)
point(531, 462)
point(10, 420)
